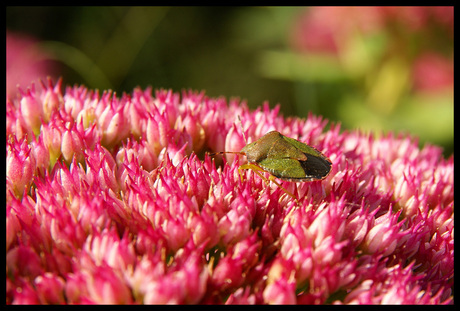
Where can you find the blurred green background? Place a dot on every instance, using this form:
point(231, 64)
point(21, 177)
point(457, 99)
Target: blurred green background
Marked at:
point(369, 68)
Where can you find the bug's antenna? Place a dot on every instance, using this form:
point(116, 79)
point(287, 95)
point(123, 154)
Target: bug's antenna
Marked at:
point(242, 129)
point(234, 152)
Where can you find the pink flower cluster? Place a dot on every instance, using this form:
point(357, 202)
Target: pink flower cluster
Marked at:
point(115, 200)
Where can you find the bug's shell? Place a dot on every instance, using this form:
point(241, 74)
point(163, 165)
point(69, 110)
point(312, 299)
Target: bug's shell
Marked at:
point(287, 158)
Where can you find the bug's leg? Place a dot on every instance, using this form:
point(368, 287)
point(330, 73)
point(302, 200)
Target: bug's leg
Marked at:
point(250, 166)
point(272, 178)
point(257, 170)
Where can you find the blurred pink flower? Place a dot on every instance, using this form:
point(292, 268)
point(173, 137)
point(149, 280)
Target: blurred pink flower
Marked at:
point(114, 200)
point(330, 29)
point(25, 62)
point(327, 29)
point(336, 31)
point(433, 73)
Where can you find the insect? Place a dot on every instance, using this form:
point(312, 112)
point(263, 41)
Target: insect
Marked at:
point(284, 158)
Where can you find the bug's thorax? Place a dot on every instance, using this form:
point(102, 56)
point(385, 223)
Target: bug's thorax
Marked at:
point(259, 150)
point(271, 145)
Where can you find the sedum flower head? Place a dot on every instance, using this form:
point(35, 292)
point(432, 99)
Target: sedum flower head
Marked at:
point(116, 200)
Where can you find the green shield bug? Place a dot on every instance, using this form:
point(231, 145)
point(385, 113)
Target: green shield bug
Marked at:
point(284, 158)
